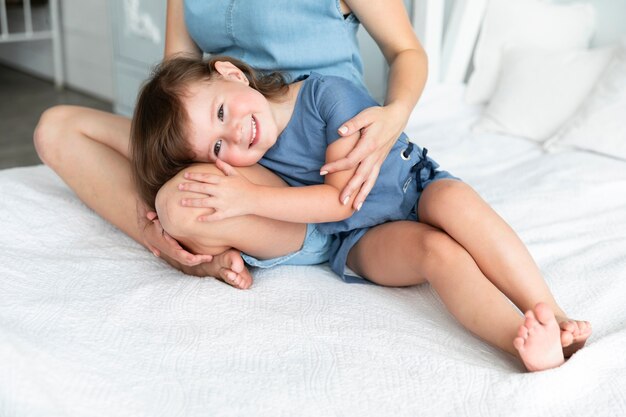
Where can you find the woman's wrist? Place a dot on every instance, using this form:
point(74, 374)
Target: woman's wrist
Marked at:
point(401, 112)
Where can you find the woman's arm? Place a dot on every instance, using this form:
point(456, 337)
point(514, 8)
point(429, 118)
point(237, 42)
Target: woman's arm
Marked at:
point(388, 23)
point(177, 39)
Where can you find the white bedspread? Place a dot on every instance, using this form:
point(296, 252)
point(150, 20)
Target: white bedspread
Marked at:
point(91, 324)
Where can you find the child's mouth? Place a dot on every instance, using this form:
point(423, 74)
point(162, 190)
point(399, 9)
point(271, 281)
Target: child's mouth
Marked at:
point(255, 136)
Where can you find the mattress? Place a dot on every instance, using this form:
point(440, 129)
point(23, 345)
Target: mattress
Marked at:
point(91, 324)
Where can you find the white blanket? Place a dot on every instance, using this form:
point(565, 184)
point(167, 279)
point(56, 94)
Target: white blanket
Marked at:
point(91, 324)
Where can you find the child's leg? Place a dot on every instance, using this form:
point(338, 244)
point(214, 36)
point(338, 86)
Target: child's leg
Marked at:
point(409, 253)
point(457, 209)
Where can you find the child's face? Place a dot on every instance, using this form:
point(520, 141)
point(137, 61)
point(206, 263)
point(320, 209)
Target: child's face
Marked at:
point(230, 121)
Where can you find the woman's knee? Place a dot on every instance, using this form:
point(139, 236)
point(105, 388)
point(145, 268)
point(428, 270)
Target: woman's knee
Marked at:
point(177, 220)
point(53, 124)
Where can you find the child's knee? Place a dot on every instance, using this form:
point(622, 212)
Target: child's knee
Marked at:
point(445, 198)
point(437, 248)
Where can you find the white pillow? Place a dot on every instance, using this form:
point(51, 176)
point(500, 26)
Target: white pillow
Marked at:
point(600, 124)
point(539, 89)
point(531, 23)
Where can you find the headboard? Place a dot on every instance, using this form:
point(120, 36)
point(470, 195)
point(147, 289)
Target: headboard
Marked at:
point(449, 29)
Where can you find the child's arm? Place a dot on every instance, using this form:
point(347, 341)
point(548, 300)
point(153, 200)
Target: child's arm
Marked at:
point(233, 195)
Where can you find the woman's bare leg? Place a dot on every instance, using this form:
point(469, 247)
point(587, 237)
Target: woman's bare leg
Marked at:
point(256, 236)
point(88, 149)
point(409, 253)
point(457, 209)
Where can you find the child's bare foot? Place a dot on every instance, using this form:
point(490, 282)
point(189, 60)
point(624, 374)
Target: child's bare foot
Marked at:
point(231, 269)
point(574, 334)
point(538, 340)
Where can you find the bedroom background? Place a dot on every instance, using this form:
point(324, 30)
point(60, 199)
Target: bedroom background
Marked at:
point(91, 324)
point(105, 50)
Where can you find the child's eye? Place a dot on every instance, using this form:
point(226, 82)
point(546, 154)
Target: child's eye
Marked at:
point(220, 113)
point(217, 147)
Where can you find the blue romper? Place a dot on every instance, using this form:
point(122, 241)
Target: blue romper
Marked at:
point(295, 37)
point(323, 104)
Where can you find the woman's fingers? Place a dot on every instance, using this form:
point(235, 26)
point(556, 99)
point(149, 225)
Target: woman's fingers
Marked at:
point(362, 150)
point(363, 173)
point(366, 187)
point(355, 124)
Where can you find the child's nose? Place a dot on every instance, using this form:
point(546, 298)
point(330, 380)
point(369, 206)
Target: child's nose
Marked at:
point(236, 132)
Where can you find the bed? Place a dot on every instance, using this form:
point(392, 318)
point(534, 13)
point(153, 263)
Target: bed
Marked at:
point(91, 324)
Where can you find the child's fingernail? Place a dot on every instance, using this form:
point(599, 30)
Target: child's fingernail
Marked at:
point(359, 206)
point(323, 172)
point(345, 200)
point(343, 129)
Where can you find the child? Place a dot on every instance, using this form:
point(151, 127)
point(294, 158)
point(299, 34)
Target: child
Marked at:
point(419, 224)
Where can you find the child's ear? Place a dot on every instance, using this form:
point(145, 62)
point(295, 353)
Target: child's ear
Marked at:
point(231, 72)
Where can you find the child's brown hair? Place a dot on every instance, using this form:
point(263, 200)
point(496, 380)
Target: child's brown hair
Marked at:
point(159, 129)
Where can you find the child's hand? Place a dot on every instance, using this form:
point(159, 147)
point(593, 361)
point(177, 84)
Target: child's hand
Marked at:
point(380, 128)
point(162, 244)
point(228, 195)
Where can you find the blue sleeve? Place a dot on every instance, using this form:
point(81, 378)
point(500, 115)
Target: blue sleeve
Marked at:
point(338, 101)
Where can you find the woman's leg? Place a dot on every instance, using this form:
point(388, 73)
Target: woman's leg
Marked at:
point(257, 236)
point(88, 149)
point(408, 253)
point(457, 209)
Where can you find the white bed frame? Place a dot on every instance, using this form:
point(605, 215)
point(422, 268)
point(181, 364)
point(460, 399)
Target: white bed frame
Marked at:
point(30, 34)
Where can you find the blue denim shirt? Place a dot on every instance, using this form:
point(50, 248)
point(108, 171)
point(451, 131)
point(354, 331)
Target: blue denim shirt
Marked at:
point(295, 37)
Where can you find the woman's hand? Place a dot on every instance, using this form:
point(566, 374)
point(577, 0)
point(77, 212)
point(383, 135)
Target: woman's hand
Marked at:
point(228, 195)
point(380, 128)
point(162, 244)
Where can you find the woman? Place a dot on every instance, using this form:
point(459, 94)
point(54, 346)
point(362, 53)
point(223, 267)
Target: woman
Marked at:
point(89, 149)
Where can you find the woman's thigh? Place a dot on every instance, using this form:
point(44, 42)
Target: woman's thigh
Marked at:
point(257, 236)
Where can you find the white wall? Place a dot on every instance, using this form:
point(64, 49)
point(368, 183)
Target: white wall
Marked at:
point(611, 20)
point(87, 47)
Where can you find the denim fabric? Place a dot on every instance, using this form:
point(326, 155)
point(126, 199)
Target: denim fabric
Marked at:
point(296, 37)
point(315, 250)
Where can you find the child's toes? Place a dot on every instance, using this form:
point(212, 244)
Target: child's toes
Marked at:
point(522, 332)
point(530, 321)
point(567, 338)
point(518, 343)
